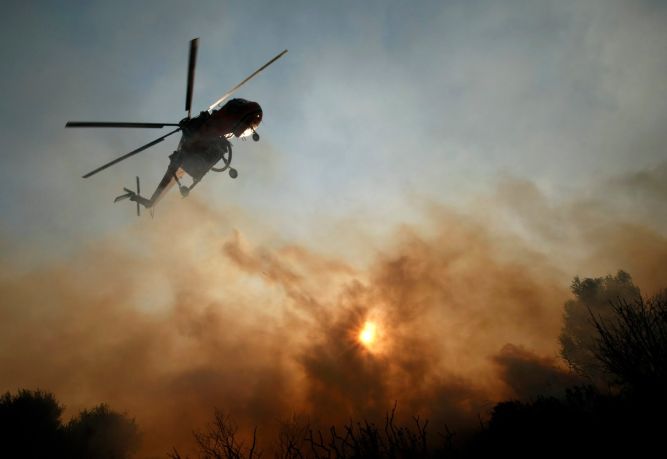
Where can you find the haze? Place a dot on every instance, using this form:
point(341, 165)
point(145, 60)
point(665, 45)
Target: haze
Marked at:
point(441, 170)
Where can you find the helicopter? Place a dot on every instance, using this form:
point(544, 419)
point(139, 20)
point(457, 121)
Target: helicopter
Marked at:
point(204, 140)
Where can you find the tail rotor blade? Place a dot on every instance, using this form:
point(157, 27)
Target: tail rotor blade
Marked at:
point(231, 91)
point(132, 153)
point(138, 194)
point(192, 61)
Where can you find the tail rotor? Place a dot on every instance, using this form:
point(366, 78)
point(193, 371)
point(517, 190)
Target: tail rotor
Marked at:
point(134, 196)
point(138, 194)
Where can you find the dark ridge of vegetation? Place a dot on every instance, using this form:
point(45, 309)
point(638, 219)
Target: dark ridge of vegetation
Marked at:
point(31, 427)
point(299, 440)
point(586, 422)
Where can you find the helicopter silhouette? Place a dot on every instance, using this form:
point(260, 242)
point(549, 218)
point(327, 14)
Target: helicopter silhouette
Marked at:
point(204, 140)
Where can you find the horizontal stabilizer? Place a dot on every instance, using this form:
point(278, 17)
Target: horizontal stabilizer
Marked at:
point(123, 196)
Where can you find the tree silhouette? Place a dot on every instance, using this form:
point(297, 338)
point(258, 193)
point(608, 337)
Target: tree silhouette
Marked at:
point(220, 441)
point(632, 345)
point(610, 334)
point(367, 440)
point(31, 427)
point(578, 337)
point(584, 423)
point(103, 434)
point(297, 439)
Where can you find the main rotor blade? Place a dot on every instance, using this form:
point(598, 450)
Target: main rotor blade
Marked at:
point(113, 124)
point(231, 91)
point(192, 61)
point(132, 153)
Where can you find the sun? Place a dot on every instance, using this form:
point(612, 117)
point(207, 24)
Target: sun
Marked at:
point(368, 334)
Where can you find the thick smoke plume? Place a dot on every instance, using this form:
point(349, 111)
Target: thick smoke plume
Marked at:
point(185, 313)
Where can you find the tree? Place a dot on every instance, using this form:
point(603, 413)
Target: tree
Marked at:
point(220, 441)
point(30, 425)
point(632, 345)
point(102, 433)
point(584, 423)
point(578, 338)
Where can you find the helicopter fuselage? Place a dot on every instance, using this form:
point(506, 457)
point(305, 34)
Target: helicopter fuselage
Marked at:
point(238, 117)
point(205, 137)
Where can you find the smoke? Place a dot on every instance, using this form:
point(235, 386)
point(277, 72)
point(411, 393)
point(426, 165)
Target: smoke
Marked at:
point(185, 313)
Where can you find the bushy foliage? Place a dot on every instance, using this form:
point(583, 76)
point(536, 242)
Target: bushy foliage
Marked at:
point(31, 427)
point(584, 423)
point(631, 346)
point(101, 433)
point(578, 338)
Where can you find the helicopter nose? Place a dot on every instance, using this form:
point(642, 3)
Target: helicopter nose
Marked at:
point(257, 118)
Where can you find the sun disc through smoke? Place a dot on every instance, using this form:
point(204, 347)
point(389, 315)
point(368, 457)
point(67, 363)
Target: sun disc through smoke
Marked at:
point(367, 334)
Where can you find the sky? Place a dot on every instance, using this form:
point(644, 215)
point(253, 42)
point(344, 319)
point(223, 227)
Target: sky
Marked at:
point(442, 169)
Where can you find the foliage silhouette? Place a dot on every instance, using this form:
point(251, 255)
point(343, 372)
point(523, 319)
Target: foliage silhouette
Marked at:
point(578, 337)
point(613, 335)
point(31, 427)
point(632, 346)
point(101, 433)
point(220, 441)
point(355, 440)
point(585, 422)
